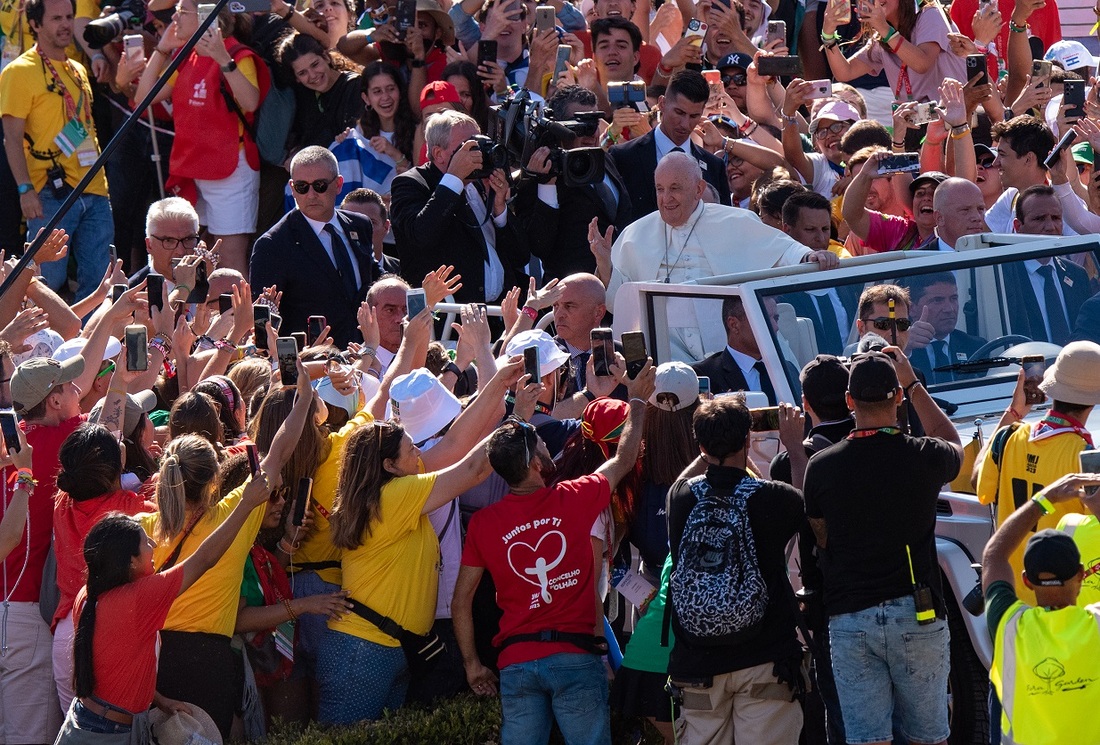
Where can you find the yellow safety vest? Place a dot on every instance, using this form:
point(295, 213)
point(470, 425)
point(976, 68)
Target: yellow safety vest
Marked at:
point(1049, 680)
point(1085, 530)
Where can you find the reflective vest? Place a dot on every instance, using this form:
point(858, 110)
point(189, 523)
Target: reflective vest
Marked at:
point(1085, 530)
point(1048, 680)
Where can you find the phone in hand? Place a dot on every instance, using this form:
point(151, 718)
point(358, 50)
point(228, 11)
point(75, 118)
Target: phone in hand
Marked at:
point(564, 50)
point(117, 292)
point(133, 46)
point(545, 18)
point(415, 302)
point(154, 288)
point(1073, 94)
point(1056, 154)
point(603, 351)
point(225, 303)
point(300, 338)
point(486, 51)
point(9, 425)
point(1090, 463)
point(204, 11)
point(779, 66)
point(626, 95)
point(704, 388)
point(821, 89)
point(287, 351)
point(201, 289)
point(634, 353)
point(315, 326)
point(253, 458)
point(1035, 366)
point(137, 347)
point(696, 31)
point(261, 314)
point(1040, 72)
point(765, 419)
point(976, 65)
point(531, 364)
point(305, 489)
point(845, 11)
point(777, 31)
point(899, 163)
point(405, 17)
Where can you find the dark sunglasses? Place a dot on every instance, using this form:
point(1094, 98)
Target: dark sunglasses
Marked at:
point(526, 428)
point(883, 324)
point(986, 162)
point(320, 185)
point(738, 79)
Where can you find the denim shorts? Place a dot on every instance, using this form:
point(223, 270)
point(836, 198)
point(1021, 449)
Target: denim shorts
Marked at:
point(888, 668)
point(570, 688)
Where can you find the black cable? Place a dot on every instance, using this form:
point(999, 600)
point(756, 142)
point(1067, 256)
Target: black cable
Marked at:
point(134, 116)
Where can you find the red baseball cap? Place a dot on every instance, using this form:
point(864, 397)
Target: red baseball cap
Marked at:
point(439, 91)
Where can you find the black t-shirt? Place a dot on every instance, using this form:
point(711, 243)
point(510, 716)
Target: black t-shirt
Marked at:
point(318, 118)
point(877, 495)
point(834, 432)
point(775, 514)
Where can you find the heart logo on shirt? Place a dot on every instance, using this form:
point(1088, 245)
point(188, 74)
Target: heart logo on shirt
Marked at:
point(534, 563)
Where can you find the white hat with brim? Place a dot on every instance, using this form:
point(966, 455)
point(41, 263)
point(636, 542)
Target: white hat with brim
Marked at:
point(423, 404)
point(1074, 378)
point(179, 728)
point(551, 356)
point(73, 347)
point(42, 343)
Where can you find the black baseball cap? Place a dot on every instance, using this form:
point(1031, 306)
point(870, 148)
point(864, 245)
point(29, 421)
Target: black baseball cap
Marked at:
point(872, 378)
point(737, 59)
point(1051, 552)
point(824, 380)
point(928, 177)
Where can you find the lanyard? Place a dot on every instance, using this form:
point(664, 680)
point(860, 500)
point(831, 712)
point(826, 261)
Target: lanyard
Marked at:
point(72, 109)
point(858, 434)
point(903, 77)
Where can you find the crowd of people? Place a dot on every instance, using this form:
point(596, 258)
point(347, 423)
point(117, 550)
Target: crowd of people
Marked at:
point(244, 483)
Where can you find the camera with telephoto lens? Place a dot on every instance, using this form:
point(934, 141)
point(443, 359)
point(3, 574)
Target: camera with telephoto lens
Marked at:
point(101, 31)
point(493, 156)
point(521, 128)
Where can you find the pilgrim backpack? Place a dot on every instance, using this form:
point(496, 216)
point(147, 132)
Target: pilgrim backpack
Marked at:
point(718, 593)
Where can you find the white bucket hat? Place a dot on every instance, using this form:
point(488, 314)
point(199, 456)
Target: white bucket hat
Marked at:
point(551, 356)
point(184, 729)
point(422, 404)
point(1074, 378)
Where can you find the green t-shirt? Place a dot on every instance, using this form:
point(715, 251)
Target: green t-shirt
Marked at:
point(999, 597)
point(644, 651)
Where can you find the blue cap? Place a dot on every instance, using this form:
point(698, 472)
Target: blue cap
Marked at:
point(737, 59)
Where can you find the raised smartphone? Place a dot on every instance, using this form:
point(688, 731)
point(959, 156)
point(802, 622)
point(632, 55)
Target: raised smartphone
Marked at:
point(225, 302)
point(287, 350)
point(634, 352)
point(137, 347)
point(1035, 365)
point(415, 302)
point(531, 364)
point(9, 425)
point(765, 420)
point(603, 351)
point(315, 326)
point(154, 287)
point(305, 488)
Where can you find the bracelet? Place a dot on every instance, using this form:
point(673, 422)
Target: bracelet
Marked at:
point(162, 340)
point(162, 52)
point(24, 480)
point(24, 472)
point(203, 343)
point(788, 119)
point(961, 133)
point(1043, 503)
point(829, 45)
point(905, 390)
point(893, 32)
point(183, 287)
point(898, 144)
point(588, 394)
point(826, 38)
point(895, 49)
point(727, 144)
point(530, 312)
point(289, 13)
point(1017, 415)
point(123, 391)
point(1016, 29)
point(416, 63)
point(286, 546)
point(664, 71)
point(224, 345)
point(289, 610)
point(748, 127)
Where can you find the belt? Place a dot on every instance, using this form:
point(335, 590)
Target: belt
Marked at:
point(107, 712)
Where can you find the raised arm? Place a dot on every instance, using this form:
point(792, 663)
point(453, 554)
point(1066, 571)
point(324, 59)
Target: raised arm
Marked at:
point(626, 456)
point(855, 209)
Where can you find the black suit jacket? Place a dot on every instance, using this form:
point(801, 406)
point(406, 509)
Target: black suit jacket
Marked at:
point(726, 376)
point(138, 277)
point(559, 237)
point(1024, 314)
point(291, 257)
point(1087, 326)
point(434, 226)
point(960, 346)
point(806, 307)
point(637, 160)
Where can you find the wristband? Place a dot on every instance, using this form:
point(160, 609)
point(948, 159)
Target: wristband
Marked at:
point(897, 145)
point(906, 389)
point(961, 133)
point(24, 471)
point(1016, 29)
point(1043, 503)
point(665, 71)
point(224, 345)
point(529, 312)
point(788, 119)
point(1018, 416)
point(182, 287)
point(289, 13)
point(826, 38)
point(748, 127)
point(162, 52)
point(286, 546)
point(890, 35)
point(588, 394)
point(901, 40)
point(416, 63)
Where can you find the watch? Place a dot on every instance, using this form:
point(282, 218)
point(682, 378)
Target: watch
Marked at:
point(24, 188)
point(229, 66)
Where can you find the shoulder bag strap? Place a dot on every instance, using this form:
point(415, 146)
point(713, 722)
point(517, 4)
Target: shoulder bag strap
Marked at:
point(388, 626)
point(175, 555)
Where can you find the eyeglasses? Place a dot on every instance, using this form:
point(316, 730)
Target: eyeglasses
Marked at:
point(738, 79)
point(835, 128)
point(986, 162)
point(110, 368)
point(320, 185)
point(884, 324)
point(172, 243)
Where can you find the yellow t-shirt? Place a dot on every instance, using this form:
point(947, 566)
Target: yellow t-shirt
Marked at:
point(1026, 467)
point(17, 32)
point(24, 94)
point(209, 605)
point(394, 571)
point(317, 546)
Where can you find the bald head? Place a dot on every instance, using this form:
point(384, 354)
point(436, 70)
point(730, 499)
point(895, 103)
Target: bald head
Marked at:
point(959, 209)
point(579, 309)
point(951, 190)
point(680, 187)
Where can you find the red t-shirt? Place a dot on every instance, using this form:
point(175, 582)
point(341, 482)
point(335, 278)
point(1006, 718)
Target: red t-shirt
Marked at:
point(128, 620)
point(1043, 23)
point(537, 550)
point(649, 55)
point(46, 442)
point(71, 523)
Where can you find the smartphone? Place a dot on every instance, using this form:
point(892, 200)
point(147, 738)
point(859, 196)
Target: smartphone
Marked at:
point(899, 163)
point(696, 30)
point(1035, 365)
point(777, 31)
point(154, 286)
point(305, 488)
point(1073, 93)
point(1040, 72)
point(634, 352)
point(779, 66)
point(225, 303)
point(821, 89)
point(261, 314)
point(765, 420)
point(713, 77)
point(316, 325)
point(415, 301)
point(976, 65)
point(300, 338)
point(287, 351)
point(626, 95)
point(486, 51)
point(202, 286)
point(116, 292)
point(564, 50)
point(545, 16)
point(9, 425)
point(405, 17)
point(923, 113)
point(204, 12)
point(603, 351)
point(253, 458)
point(1090, 459)
point(483, 308)
point(704, 388)
point(276, 322)
point(531, 364)
point(845, 8)
point(133, 46)
point(137, 347)
point(1056, 153)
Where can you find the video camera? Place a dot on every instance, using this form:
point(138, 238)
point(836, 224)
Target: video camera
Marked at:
point(101, 31)
point(519, 129)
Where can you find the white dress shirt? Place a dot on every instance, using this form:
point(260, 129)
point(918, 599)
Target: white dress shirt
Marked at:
point(494, 269)
point(746, 364)
point(1038, 286)
point(326, 243)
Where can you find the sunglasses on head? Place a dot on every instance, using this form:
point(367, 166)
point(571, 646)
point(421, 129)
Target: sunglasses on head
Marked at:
point(526, 428)
point(883, 324)
point(320, 185)
point(738, 79)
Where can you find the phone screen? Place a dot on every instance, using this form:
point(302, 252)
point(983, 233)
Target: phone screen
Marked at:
point(531, 364)
point(261, 314)
point(486, 51)
point(154, 287)
point(117, 292)
point(316, 326)
point(634, 352)
point(704, 387)
point(287, 349)
point(253, 458)
point(9, 424)
point(225, 303)
point(415, 302)
point(1034, 368)
point(137, 348)
point(305, 488)
point(766, 419)
point(603, 352)
point(202, 285)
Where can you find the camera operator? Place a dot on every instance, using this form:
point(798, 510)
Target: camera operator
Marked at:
point(444, 213)
point(556, 216)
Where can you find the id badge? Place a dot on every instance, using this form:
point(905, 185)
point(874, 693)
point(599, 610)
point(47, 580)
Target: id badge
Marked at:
point(71, 137)
point(87, 153)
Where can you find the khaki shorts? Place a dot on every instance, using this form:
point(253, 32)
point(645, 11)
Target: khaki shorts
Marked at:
point(745, 706)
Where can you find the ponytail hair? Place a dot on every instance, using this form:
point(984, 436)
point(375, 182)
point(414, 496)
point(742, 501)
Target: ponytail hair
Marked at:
point(108, 550)
point(188, 476)
point(91, 463)
point(358, 501)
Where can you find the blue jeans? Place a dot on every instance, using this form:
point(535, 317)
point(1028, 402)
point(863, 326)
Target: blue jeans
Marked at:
point(89, 721)
point(891, 670)
point(91, 231)
point(358, 679)
point(311, 626)
point(570, 688)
